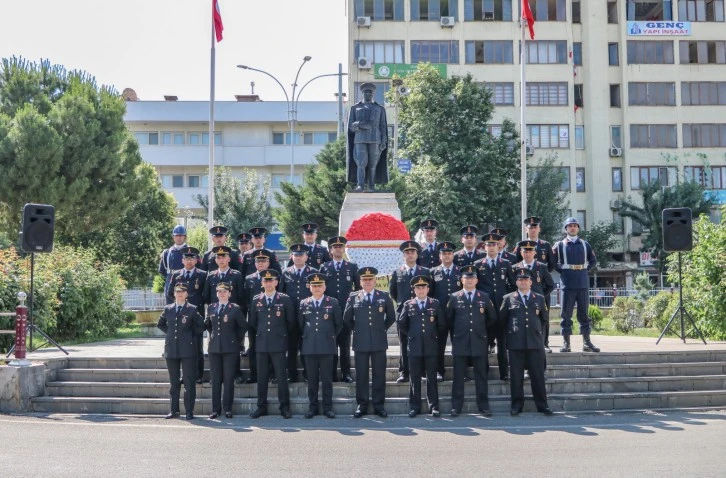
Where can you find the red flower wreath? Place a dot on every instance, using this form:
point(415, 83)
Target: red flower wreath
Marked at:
point(376, 227)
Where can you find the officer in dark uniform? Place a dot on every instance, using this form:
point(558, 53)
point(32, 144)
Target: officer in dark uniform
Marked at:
point(171, 260)
point(429, 256)
point(258, 243)
point(253, 287)
point(421, 321)
point(194, 278)
point(317, 254)
point(224, 273)
point(219, 238)
point(400, 289)
point(469, 253)
point(543, 249)
point(496, 278)
point(369, 313)
point(272, 315)
point(341, 279)
point(294, 284)
point(320, 320)
point(243, 245)
point(524, 312)
point(447, 280)
point(226, 326)
point(502, 245)
point(469, 314)
point(181, 323)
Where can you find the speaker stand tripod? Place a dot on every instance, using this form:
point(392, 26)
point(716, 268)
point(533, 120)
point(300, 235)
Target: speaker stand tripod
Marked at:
point(31, 326)
point(681, 310)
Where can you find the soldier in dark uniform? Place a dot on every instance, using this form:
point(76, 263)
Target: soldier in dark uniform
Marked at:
point(320, 320)
point(369, 313)
point(219, 238)
point(258, 243)
point(243, 245)
point(543, 248)
point(496, 278)
point(429, 256)
point(181, 323)
point(447, 280)
point(421, 321)
point(502, 245)
point(294, 284)
point(194, 278)
point(469, 253)
point(400, 289)
point(469, 313)
point(317, 254)
point(226, 326)
point(341, 279)
point(524, 313)
point(171, 260)
point(272, 315)
point(253, 287)
point(224, 273)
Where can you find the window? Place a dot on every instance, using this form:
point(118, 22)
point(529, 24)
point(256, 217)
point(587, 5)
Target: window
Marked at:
point(319, 137)
point(703, 93)
point(579, 92)
point(615, 96)
point(616, 137)
point(577, 53)
point(612, 11)
point(708, 177)
point(495, 130)
point(548, 10)
point(488, 10)
point(575, 11)
point(488, 52)
point(277, 179)
point(433, 10)
point(653, 136)
point(613, 54)
point(547, 52)
point(147, 138)
point(701, 10)
point(446, 51)
point(380, 51)
point(579, 137)
point(619, 223)
point(547, 94)
point(192, 181)
point(649, 10)
point(581, 217)
point(565, 171)
point(502, 93)
point(382, 88)
point(549, 136)
point(168, 138)
point(704, 135)
point(202, 138)
point(617, 179)
point(380, 9)
point(642, 175)
point(651, 94)
point(703, 52)
point(172, 181)
point(580, 180)
point(651, 52)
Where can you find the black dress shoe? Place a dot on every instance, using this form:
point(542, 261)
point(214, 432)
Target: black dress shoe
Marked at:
point(515, 411)
point(309, 414)
point(412, 413)
point(546, 411)
point(190, 416)
point(286, 414)
point(213, 415)
point(347, 379)
point(467, 378)
point(359, 412)
point(435, 412)
point(504, 378)
point(485, 412)
point(381, 413)
point(239, 380)
point(402, 379)
point(228, 414)
point(329, 414)
point(439, 377)
point(259, 412)
point(251, 380)
point(198, 381)
point(172, 415)
point(454, 412)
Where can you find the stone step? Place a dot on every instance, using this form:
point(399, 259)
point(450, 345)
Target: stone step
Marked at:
point(496, 387)
point(394, 405)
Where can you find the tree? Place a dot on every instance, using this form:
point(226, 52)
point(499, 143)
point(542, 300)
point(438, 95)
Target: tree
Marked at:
point(63, 142)
point(239, 204)
point(601, 237)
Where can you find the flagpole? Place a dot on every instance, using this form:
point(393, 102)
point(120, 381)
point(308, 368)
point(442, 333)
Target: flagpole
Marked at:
point(210, 185)
point(523, 126)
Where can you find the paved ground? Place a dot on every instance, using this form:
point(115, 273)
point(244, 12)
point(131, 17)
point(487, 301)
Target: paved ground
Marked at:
point(624, 444)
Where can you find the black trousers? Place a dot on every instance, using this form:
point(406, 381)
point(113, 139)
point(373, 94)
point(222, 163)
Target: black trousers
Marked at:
point(252, 352)
point(343, 342)
point(278, 364)
point(547, 324)
point(403, 355)
point(189, 367)
point(377, 362)
point(293, 345)
point(320, 369)
point(417, 365)
point(534, 361)
point(441, 362)
point(222, 368)
point(481, 383)
point(498, 333)
point(570, 297)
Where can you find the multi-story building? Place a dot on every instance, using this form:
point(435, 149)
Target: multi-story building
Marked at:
point(617, 88)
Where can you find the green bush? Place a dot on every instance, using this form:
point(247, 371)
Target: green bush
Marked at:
point(625, 314)
point(654, 310)
point(595, 315)
point(158, 285)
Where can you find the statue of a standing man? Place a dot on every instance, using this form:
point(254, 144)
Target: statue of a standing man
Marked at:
point(367, 142)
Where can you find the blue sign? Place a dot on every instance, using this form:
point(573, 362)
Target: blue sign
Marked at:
point(718, 196)
point(404, 165)
point(659, 28)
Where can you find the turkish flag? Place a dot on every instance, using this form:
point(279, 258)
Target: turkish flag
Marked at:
point(527, 15)
point(217, 16)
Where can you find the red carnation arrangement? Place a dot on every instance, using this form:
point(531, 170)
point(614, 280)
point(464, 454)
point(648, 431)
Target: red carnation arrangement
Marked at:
point(377, 227)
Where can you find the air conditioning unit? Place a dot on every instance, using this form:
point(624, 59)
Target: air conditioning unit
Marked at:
point(616, 152)
point(448, 21)
point(363, 21)
point(403, 90)
point(616, 204)
point(365, 63)
point(488, 16)
point(529, 150)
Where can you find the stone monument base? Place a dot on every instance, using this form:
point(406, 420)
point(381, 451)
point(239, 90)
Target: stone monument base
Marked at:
point(356, 205)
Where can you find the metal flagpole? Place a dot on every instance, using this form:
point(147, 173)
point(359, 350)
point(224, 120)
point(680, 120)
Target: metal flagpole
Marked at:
point(523, 126)
point(210, 185)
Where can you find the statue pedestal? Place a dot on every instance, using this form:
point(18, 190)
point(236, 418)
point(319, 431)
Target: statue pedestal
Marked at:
point(356, 205)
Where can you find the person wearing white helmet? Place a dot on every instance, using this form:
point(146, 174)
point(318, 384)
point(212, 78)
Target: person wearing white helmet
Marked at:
point(171, 258)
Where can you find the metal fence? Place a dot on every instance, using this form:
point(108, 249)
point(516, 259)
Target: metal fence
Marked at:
point(143, 299)
point(605, 297)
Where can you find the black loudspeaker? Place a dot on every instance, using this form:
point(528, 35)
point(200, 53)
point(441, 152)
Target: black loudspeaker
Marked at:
point(38, 227)
point(677, 229)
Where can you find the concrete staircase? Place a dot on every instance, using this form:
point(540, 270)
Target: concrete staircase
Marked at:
point(576, 382)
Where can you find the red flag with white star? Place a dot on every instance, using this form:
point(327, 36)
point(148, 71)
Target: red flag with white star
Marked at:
point(217, 16)
point(527, 15)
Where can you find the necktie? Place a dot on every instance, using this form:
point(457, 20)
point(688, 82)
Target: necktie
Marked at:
point(187, 275)
point(299, 273)
point(221, 277)
point(337, 266)
point(491, 263)
point(178, 309)
point(269, 301)
point(431, 248)
point(529, 267)
point(469, 254)
point(370, 300)
point(524, 298)
point(468, 296)
point(317, 304)
point(421, 306)
point(447, 272)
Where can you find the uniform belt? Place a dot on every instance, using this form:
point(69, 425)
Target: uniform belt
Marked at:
point(576, 267)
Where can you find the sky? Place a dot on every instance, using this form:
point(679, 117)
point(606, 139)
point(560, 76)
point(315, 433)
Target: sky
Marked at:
point(162, 47)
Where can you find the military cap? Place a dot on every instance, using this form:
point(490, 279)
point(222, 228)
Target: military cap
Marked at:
point(469, 230)
point(420, 280)
point(309, 228)
point(299, 249)
point(469, 271)
point(532, 221)
point(316, 278)
point(218, 231)
point(527, 245)
point(244, 237)
point(368, 86)
point(224, 286)
point(258, 231)
point(189, 251)
point(180, 287)
point(270, 274)
point(524, 273)
point(410, 245)
point(337, 241)
point(260, 255)
point(368, 272)
point(221, 250)
point(491, 237)
point(429, 224)
point(500, 231)
point(445, 246)
point(570, 220)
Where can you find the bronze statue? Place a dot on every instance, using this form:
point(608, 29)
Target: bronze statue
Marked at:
point(367, 142)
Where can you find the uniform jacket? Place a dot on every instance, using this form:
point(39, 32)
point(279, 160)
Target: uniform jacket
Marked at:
point(253, 287)
point(445, 285)
point(169, 261)
point(273, 323)
point(496, 282)
point(461, 257)
point(296, 286)
point(233, 278)
point(317, 256)
point(427, 258)
point(576, 252)
point(542, 282)
point(248, 262)
point(422, 327)
point(340, 284)
point(542, 253)
point(508, 256)
point(400, 285)
point(226, 326)
point(209, 262)
point(320, 326)
point(524, 324)
point(369, 322)
point(195, 286)
point(181, 330)
point(469, 322)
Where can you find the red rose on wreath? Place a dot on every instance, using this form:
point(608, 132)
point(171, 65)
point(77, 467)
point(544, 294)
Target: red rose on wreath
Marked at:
point(377, 226)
